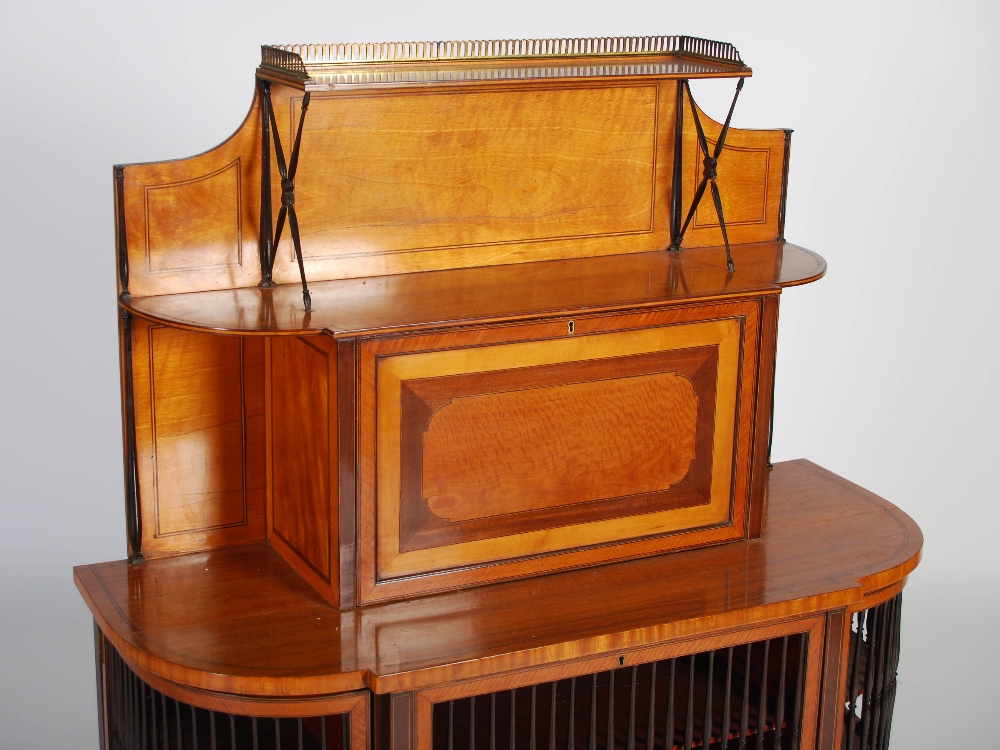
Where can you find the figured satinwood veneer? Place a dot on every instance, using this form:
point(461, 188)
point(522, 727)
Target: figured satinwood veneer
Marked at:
point(199, 432)
point(498, 184)
point(642, 440)
point(242, 621)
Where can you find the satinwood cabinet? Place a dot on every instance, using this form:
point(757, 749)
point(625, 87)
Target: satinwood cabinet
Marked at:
point(447, 391)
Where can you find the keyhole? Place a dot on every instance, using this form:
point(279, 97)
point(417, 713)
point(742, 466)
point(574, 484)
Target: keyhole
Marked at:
point(572, 326)
point(621, 661)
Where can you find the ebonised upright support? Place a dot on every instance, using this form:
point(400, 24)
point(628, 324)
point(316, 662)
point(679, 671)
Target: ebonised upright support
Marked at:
point(133, 515)
point(287, 210)
point(676, 188)
point(266, 222)
point(709, 176)
point(121, 239)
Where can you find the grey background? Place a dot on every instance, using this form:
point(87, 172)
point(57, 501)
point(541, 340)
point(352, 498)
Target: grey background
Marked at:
point(887, 370)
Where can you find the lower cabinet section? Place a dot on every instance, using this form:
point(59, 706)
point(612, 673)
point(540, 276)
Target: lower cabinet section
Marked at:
point(755, 645)
point(760, 688)
point(873, 657)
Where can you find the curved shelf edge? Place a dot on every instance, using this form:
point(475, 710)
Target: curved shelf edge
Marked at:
point(487, 294)
point(250, 705)
point(803, 275)
point(224, 643)
point(150, 661)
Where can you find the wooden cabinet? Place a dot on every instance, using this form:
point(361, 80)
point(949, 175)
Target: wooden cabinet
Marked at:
point(447, 387)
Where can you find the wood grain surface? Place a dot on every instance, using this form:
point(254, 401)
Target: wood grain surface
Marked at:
point(468, 176)
point(483, 174)
point(761, 456)
point(499, 453)
point(199, 403)
point(191, 224)
point(242, 621)
point(478, 295)
point(475, 177)
point(420, 528)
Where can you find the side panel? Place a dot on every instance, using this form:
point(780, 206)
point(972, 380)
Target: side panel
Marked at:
point(869, 658)
point(751, 184)
point(146, 710)
point(303, 522)
point(199, 403)
point(192, 224)
point(496, 453)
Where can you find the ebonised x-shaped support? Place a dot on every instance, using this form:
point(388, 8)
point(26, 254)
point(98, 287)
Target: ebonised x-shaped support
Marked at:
point(269, 246)
point(711, 164)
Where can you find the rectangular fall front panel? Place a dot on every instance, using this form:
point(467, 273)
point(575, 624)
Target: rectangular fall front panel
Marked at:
point(495, 453)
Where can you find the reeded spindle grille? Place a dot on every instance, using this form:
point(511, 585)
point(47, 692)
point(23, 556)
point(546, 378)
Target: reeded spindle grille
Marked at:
point(141, 718)
point(871, 676)
point(746, 697)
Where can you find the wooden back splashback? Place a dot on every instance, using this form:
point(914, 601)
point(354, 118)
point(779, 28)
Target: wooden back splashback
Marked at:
point(443, 158)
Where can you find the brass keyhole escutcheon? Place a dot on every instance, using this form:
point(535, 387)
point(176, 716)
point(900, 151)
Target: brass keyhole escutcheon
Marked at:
point(571, 326)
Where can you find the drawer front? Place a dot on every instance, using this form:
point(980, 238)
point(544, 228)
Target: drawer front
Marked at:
point(501, 452)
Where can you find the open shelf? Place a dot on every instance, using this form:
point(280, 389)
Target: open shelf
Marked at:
point(412, 301)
